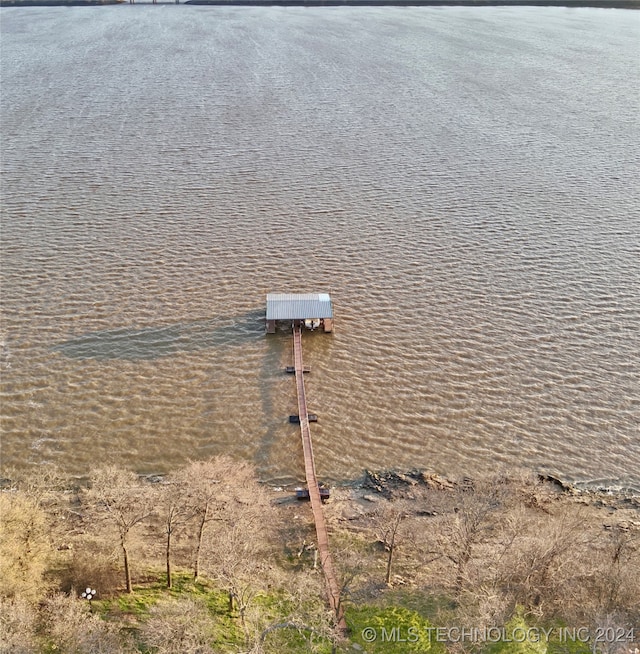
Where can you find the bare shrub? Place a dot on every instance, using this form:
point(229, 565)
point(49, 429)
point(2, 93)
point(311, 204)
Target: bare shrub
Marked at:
point(540, 563)
point(71, 628)
point(620, 577)
point(17, 627)
point(182, 626)
point(614, 633)
point(475, 518)
point(612, 577)
point(89, 566)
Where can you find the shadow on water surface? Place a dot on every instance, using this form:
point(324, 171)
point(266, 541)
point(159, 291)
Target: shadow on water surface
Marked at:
point(147, 343)
point(269, 373)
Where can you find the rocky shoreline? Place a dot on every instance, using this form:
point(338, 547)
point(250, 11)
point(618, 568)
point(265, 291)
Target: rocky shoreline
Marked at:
point(393, 484)
point(359, 498)
point(430, 495)
point(388, 481)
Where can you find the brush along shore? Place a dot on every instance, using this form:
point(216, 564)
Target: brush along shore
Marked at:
point(207, 559)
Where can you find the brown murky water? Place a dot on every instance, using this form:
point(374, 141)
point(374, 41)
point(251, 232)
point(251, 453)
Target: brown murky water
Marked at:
point(463, 181)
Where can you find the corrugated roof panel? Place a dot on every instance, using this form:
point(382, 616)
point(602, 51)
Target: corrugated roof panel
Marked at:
point(298, 306)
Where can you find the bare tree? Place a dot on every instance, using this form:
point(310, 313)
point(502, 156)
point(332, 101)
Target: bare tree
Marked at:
point(177, 511)
point(236, 560)
point(119, 497)
point(207, 485)
point(472, 519)
point(388, 523)
point(18, 627)
point(237, 546)
point(24, 547)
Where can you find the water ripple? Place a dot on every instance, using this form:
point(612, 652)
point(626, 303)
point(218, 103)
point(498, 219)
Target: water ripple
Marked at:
point(466, 189)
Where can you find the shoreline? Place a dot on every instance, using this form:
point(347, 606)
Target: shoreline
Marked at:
point(388, 483)
point(594, 4)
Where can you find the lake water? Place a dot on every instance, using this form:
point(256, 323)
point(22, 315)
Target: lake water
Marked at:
point(463, 181)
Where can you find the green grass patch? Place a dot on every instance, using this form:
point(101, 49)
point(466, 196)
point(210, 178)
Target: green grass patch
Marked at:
point(290, 640)
point(518, 637)
point(391, 630)
point(569, 640)
point(147, 594)
point(429, 604)
point(134, 608)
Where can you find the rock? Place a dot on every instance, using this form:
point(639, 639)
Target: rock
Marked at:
point(375, 482)
point(389, 481)
point(558, 483)
point(154, 479)
point(371, 498)
point(436, 482)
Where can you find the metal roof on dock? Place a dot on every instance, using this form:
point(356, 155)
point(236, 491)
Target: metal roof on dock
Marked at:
point(298, 306)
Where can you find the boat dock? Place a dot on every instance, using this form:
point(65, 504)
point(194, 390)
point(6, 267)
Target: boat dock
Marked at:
point(310, 311)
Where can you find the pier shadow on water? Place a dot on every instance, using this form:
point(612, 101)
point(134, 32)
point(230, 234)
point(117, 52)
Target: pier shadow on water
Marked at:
point(152, 343)
point(147, 343)
point(269, 374)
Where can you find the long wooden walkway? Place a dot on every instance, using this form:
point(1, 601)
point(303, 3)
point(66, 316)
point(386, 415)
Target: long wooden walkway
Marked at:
point(331, 578)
